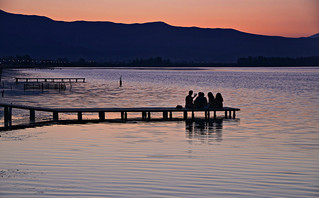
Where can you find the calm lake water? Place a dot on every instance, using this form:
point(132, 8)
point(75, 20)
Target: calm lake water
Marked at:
point(270, 150)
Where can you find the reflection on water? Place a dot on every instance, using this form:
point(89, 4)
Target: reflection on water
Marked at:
point(201, 128)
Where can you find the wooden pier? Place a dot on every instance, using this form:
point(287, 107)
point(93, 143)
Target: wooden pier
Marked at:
point(145, 112)
point(48, 80)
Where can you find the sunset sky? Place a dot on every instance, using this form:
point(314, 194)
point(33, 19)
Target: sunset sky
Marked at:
point(291, 18)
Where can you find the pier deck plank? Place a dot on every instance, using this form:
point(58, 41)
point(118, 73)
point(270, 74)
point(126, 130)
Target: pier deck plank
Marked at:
point(141, 109)
point(136, 109)
point(26, 107)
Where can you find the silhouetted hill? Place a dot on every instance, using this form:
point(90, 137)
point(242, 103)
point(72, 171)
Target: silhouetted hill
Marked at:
point(314, 36)
point(41, 37)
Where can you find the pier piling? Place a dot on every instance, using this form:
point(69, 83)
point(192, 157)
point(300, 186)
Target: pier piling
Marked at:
point(102, 116)
point(185, 115)
point(149, 115)
point(80, 116)
point(32, 116)
point(56, 116)
point(7, 116)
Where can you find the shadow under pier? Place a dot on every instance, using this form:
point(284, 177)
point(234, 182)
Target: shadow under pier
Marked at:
point(197, 127)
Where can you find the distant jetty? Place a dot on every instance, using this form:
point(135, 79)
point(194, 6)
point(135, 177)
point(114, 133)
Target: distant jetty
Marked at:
point(53, 80)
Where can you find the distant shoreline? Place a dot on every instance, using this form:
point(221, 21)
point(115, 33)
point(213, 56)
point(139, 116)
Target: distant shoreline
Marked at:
point(158, 62)
point(139, 67)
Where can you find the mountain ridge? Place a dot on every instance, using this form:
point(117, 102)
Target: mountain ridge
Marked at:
point(314, 36)
point(42, 37)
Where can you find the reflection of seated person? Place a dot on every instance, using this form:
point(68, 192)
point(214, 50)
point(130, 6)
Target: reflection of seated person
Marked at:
point(189, 100)
point(219, 100)
point(198, 128)
point(200, 101)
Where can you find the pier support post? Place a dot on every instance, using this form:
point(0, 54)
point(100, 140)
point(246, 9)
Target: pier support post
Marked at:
point(193, 115)
point(165, 115)
point(215, 115)
point(225, 114)
point(143, 115)
point(6, 121)
point(7, 116)
point(10, 116)
point(234, 114)
point(185, 115)
point(207, 115)
point(149, 115)
point(80, 116)
point(125, 115)
point(55, 116)
point(122, 115)
point(229, 114)
point(102, 115)
point(170, 115)
point(32, 116)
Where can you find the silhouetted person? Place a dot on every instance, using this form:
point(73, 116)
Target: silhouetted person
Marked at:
point(189, 100)
point(211, 99)
point(219, 100)
point(200, 101)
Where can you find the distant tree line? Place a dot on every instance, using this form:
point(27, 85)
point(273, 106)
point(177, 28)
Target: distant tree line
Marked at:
point(261, 61)
point(26, 60)
point(158, 61)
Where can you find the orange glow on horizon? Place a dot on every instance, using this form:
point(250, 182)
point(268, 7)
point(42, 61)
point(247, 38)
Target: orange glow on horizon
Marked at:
point(291, 18)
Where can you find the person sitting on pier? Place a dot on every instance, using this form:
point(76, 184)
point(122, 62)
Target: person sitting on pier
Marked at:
point(219, 100)
point(211, 99)
point(189, 100)
point(200, 101)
